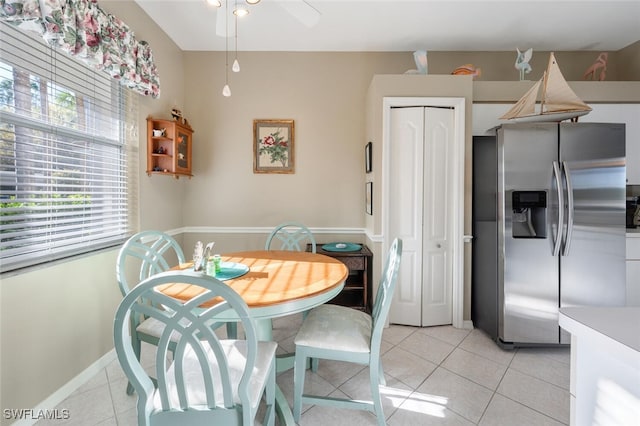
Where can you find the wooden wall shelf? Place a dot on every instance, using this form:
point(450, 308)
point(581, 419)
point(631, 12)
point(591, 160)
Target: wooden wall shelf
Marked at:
point(169, 154)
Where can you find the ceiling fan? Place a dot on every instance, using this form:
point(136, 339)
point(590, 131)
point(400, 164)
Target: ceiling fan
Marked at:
point(299, 9)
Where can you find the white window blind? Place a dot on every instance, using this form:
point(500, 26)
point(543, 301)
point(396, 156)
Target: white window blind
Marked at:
point(63, 154)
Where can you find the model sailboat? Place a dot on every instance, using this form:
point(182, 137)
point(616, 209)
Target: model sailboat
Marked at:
point(558, 102)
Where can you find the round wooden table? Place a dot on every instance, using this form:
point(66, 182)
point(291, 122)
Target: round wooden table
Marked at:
point(278, 283)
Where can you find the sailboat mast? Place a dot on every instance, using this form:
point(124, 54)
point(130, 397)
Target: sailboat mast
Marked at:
point(545, 79)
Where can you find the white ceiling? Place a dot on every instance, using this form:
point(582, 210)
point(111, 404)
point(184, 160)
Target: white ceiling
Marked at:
point(407, 25)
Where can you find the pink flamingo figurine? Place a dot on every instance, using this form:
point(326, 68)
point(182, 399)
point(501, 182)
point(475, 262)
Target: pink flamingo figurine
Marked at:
point(599, 64)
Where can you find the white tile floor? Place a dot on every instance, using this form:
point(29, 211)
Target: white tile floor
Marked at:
point(435, 376)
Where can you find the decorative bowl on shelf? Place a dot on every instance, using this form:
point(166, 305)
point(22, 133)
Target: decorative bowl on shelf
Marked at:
point(345, 247)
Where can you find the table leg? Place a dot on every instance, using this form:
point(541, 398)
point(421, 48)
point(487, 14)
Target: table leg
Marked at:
point(264, 330)
point(284, 362)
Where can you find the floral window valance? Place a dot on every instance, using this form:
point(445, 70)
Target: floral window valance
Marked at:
point(82, 29)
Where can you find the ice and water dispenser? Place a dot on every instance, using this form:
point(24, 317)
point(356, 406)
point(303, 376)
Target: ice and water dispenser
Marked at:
point(529, 218)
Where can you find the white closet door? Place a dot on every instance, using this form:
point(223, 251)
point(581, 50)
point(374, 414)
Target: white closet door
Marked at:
point(405, 210)
point(420, 199)
point(437, 248)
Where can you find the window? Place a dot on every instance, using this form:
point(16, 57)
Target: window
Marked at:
point(65, 180)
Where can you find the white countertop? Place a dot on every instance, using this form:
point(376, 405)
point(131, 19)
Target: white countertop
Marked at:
point(612, 326)
point(605, 364)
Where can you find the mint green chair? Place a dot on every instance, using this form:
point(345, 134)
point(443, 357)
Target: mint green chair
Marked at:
point(145, 254)
point(291, 236)
point(210, 380)
point(345, 334)
point(153, 252)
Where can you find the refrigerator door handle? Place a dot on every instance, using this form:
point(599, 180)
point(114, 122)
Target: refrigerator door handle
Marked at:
point(567, 175)
point(558, 241)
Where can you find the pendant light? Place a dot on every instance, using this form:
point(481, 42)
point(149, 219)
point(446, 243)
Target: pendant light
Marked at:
point(236, 64)
point(240, 9)
point(226, 90)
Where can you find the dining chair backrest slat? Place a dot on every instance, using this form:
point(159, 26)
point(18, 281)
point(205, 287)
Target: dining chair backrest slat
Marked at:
point(292, 236)
point(149, 253)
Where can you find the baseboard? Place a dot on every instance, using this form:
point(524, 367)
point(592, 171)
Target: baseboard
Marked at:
point(47, 406)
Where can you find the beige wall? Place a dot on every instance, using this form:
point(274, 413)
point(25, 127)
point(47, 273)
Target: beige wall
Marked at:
point(56, 321)
point(629, 62)
point(323, 93)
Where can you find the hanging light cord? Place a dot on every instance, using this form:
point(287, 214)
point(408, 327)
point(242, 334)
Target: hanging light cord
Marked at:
point(226, 40)
point(236, 64)
point(226, 91)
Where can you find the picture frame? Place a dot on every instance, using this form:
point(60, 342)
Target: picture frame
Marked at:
point(273, 146)
point(368, 198)
point(368, 148)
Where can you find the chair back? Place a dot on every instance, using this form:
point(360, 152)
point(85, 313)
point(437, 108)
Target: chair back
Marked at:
point(386, 289)
point(291, 236)
point(149, 253)
point(197, 385)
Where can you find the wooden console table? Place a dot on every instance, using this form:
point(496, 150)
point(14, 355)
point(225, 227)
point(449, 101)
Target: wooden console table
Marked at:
point(357, 289)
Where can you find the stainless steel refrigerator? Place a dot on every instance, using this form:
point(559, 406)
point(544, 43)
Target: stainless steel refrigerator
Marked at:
point(548, 226)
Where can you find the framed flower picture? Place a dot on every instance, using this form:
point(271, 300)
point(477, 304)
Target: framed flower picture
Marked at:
point(273, 146)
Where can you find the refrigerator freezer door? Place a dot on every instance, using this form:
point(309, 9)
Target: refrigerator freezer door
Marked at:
point(528, 272)
point(592, 268)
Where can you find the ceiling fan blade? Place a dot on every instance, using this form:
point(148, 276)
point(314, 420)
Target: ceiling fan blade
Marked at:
point(221, 23)
point(301, 10)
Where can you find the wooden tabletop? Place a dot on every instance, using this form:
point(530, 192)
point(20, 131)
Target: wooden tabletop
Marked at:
point(275, 277)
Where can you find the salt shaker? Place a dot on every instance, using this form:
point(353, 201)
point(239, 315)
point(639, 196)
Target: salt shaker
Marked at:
point(198, 252)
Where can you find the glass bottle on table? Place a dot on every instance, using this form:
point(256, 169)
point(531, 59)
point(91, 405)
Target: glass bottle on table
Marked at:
point(211, 268)
point(217, 263)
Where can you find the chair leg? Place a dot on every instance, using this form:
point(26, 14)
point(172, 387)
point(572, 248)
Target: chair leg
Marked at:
point(299, 368)
point(270, 397)
point(375, 394)
point(314, 364)
point(136, 344)
point(381, 380)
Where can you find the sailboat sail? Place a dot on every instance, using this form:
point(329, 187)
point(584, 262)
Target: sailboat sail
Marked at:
point(558, 101)
point(559, 97)
point(526, 105)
